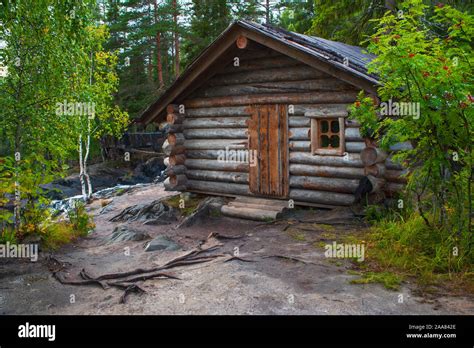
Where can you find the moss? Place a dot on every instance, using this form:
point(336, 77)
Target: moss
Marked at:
point(296, 234)
point(389, 280)
point(190, 204)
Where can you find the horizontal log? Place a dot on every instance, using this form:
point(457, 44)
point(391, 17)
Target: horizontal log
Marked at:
point(349, 160)
point(169, 149)
point(175, 170)
point(206, 154)
point(218, 111)
point(327, 171)
point(218, 122)
point(178, 180)
point(218, 187)
point(328, 84)
point(301, 133)
point(355, 146)
point(324, 184)
point(377, 170)
point(371, 155)
point(299, 145)
point(352, 134)
point(175, 160)
point(397, 176)
point(210, 175)
point(206, 164)
point(172, 109)
point(175, 128)
point(328, 110)
point(286, 98)
point(351, 123)
point(170, 187)
point(176, 138)
point(378, 184)
point(351, 146)
point(218, 144)
point(174, 118)
point(299, 121)
point(240, 155)
point(301, 109)
point(263, 63)
point(216, 133)
point(176, 109)
point(294, 73)
point(250, 213)
point(322, 197)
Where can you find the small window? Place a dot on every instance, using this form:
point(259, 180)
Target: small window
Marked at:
point(327, 136)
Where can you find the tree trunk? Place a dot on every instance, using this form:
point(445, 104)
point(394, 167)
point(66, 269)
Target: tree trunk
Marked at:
point(176, 38)
point(159, 64)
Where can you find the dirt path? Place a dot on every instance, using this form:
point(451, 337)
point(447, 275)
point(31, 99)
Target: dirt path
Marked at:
point(290, 274)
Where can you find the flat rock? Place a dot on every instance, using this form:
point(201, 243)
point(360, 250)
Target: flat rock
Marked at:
point(123, 233)
point(162, 243)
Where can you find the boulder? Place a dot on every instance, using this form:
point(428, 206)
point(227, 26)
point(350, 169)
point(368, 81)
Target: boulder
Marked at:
point(123, 233)
point(162, 243)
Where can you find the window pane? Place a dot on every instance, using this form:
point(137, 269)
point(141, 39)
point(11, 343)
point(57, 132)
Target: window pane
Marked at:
point(335, 141)
point(324, 141)
point(335, 126)
point(324, 126)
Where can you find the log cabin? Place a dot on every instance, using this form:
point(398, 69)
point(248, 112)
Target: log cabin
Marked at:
point(262, 115)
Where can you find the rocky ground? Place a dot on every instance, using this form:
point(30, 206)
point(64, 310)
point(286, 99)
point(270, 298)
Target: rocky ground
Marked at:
point(280, 269)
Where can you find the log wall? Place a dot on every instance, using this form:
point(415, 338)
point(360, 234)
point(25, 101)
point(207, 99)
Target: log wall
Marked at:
point(216, 123)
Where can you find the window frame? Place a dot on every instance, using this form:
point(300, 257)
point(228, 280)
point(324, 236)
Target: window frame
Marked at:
point(316, 148)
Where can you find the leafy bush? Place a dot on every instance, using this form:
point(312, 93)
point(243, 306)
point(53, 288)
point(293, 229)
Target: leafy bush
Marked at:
point(432, 235)
point(80, 220)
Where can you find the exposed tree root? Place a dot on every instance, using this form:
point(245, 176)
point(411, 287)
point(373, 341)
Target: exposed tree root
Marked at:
point(127, 281)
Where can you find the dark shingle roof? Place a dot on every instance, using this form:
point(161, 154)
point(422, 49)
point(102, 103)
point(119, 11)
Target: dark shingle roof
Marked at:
point(332, 52)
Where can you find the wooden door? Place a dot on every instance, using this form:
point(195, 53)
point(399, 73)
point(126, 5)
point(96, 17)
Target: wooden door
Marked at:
point(268, 139)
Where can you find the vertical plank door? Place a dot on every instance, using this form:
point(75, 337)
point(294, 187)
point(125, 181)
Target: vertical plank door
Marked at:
point(268, 138)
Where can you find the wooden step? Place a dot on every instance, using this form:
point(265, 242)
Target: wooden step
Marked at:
point(255, 208)
point(265, 201)
point(250, 213)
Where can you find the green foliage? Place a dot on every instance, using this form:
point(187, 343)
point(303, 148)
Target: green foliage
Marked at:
point(364, 110)
point(332, 19)
point(8, 235)
point(209, 18)
point(297, 15)
point(415, 65)
point(54, 54)
point(81, 222)
point(390, 280)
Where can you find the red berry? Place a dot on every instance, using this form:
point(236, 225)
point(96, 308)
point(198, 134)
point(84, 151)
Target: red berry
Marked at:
point(471, 98)
point(411, 55)
point(357, 104)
